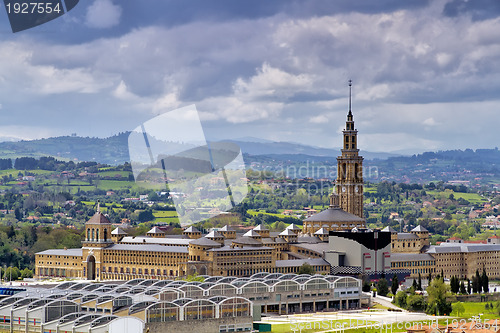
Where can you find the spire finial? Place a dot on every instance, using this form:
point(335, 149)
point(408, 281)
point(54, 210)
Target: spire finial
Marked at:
point(98, 206)
point(350, 85)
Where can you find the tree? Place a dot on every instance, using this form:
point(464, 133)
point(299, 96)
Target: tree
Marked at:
point(195, 277)
point(382, 287)
point(463, 291)
point(395, 284)
point(400, 299)
point(26, 273)
point(429, 278)
point(458, 308)
point(146, 215)
point(306, 269)
point(416, 302)
point(454, 284)
point(419, 284)
point(436, 300)
point(476, 283)
point(366, 286)
point(485, 281)
point(414, 284)
point(469, 287)
point(11, 274)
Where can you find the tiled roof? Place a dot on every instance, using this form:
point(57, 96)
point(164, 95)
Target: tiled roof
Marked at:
point(98, 218)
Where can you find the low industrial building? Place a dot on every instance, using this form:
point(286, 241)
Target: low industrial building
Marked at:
point(218, 304)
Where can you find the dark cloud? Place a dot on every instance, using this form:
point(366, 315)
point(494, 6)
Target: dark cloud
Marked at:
point(71, 28)
point(478, 9)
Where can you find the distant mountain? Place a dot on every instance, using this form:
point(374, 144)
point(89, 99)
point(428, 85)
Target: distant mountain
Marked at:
point(287, 148)
point(114, 150)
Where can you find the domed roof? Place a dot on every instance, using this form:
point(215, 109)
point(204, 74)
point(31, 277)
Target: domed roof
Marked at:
point(334, 214)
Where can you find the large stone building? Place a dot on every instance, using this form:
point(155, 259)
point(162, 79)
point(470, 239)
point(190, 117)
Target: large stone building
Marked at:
point(113, 255)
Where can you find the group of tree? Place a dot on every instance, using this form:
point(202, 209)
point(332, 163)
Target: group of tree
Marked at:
point(436, 302)
point(479, 284)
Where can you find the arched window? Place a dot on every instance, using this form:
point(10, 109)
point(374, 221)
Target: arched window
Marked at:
point(105, 235)
point(93, 234)
point(88, 234)
point(97, 235)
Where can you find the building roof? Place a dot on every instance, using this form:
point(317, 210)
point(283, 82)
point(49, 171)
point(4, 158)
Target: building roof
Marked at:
point(461, 247)
point(63, 252)
point(245, 240)
point(98, 218)
point(192, 229)
point(334, 214)
point(419, 228)
point(252, 233)
point(261, 227)
point(321, 231)
point(119, 231)
point(155, 230)
point(174, 241)
point(405, 235)
point(227, 228)
point(214, 234)
point(318, 247)
point(410, 257)
point(293, 226)
point(308, 239)
point(204, 241)
point(388, 229)
point(288, 232)
point(300, 262)
point(244, 248)
point(149, 248)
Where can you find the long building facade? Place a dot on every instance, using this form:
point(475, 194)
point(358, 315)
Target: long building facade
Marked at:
point(109, 254)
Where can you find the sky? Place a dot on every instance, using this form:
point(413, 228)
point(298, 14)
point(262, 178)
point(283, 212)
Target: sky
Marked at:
point(426, 74)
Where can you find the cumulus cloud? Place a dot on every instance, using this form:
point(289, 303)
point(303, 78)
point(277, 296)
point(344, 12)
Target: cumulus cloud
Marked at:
point(103, 14)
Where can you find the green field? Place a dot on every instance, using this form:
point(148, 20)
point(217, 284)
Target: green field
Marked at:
point(473, 309)
point(471, 197)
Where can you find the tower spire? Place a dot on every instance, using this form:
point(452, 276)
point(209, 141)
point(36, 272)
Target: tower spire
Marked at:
point(350, 88)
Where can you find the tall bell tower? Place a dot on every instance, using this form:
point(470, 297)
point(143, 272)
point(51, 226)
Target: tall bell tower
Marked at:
point(349, 184)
